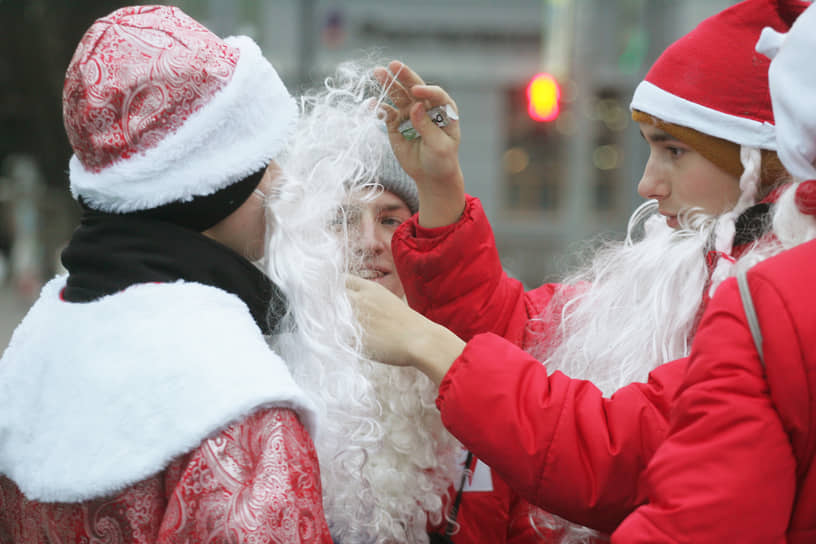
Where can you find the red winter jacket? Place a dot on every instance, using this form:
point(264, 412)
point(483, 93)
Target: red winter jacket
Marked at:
point(738, 465)
point(554, 440)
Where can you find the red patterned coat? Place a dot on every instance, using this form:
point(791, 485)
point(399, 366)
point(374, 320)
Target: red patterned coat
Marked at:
point(256, 481)
point(191, 431)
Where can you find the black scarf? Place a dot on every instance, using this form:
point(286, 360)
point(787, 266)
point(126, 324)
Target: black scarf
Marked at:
point(109, 253)
point(752, 224)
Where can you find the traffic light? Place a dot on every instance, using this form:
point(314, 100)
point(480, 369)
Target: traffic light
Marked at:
point(543, 96)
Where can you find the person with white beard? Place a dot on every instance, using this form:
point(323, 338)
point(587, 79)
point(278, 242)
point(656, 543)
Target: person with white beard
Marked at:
point(398, 482)
point(629, 316)
point(737, 465)
point(139, 399)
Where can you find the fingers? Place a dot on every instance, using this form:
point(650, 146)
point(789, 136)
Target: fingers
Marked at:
point(404, 74)
point(356, 284)
point(405, 88)
point(353, 283)
point(433, 95)
point(395, 90)
point(398, 82)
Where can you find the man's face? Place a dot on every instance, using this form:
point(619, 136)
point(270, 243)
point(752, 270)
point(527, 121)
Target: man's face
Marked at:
point(679, 178)
point(244, 230)
point(371, 224)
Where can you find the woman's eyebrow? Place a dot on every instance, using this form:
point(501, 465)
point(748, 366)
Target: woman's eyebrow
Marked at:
point(658, 137)
point(393, 208)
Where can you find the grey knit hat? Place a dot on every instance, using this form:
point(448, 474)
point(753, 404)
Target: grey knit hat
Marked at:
point(393, 178)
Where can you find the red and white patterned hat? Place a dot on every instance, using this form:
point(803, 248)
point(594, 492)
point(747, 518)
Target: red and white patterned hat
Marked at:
point(712, 80)
point(158, 110)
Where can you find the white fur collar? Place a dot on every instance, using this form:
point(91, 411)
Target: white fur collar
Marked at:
point(97, 396)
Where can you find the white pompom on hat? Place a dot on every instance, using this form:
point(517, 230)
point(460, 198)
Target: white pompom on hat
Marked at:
point(792, 79)
point(160, 110)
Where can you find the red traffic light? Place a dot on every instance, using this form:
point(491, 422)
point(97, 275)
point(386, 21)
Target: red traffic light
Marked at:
point(543, 95)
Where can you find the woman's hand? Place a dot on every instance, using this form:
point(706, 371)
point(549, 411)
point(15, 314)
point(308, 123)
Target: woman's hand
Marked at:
point(395, 334)
point(432, 159)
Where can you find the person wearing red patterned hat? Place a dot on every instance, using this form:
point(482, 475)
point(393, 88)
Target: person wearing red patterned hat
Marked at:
point(623, 324)
point(737, 463)
point(140, 399)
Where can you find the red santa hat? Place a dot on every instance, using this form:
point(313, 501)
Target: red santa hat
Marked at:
point(712, 81)
point(159, 110)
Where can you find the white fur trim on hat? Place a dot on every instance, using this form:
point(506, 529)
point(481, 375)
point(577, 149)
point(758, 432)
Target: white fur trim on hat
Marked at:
point(243, 127)
point(97, 396)
point(793, 83)
point(651, 99)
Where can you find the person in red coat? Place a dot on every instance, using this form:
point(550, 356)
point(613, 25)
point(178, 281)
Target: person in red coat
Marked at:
point(147, 396)
point(412, 481)
point(629, 316)
point(738, 462)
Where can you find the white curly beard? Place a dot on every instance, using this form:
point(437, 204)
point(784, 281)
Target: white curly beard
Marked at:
point(406, 475)
point(386, 461)
point(636, 306)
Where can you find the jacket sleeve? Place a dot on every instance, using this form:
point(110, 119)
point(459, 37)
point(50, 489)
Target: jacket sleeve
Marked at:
point(726, 473)
point(256, 481)
point(556, 440)
point(453, 276)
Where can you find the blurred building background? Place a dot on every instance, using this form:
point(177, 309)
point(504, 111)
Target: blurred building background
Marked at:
point(550, 188)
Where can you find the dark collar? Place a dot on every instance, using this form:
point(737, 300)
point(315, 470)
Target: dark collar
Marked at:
point(109, 253)
point(752, 224)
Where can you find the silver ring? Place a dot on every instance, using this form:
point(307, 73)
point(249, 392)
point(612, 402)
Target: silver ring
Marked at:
point(441, 116)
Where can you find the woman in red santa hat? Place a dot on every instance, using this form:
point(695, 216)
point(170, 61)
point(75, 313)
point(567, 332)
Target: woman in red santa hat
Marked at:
point(140, 400)
point(737, 464)
point(705, 112)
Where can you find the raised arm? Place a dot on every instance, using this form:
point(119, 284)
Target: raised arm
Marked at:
point(432, 157)
point(555, 440)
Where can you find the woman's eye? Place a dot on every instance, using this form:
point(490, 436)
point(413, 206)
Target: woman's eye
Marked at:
point(391, 221)
point(675, 151)
point(345, 219)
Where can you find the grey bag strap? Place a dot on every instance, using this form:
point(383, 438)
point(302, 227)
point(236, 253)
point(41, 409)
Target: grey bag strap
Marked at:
point(750, 313)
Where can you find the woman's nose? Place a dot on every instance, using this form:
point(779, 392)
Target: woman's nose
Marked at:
point(653, 184)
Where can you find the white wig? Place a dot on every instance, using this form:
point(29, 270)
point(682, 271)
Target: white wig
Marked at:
point(386, 461)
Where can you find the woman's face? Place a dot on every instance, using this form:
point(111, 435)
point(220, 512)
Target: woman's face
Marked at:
point(679, 178)
point(371, 224)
